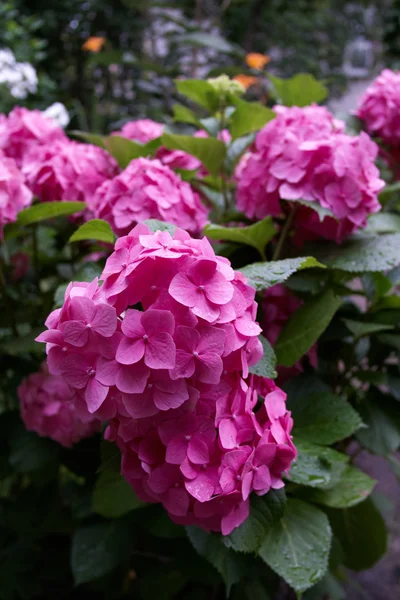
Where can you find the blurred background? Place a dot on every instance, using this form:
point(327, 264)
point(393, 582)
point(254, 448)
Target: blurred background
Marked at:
point(110, 61)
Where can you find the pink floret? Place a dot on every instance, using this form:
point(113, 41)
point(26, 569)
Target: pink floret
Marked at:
point(147, 189)
point(47, 405)
point(14, 194)
point(25, 129)
point(173, 377)
point(303, 154)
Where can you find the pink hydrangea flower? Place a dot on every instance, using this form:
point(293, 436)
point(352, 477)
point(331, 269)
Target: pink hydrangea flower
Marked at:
point(142, 130)
point(67, 170)
point(379, 107)
point(173, 377)
point(147, 189)
point(25, 129)
point(14, 195)
point(303, 154)
point(47, 406)
point(278, 305)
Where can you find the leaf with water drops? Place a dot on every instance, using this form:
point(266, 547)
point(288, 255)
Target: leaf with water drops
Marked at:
point(297, 547)
point(353, 487)
point(266, 366)
point(257, 235)
point(263, 275)
point(317, 466)
point(360, 254)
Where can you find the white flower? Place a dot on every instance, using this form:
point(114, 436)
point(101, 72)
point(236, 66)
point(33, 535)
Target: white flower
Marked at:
point(20, 78)
point(58, 112)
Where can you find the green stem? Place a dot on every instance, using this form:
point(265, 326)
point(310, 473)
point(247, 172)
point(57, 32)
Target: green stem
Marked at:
point(35, 254)
point(8, 302)
point(284, 233)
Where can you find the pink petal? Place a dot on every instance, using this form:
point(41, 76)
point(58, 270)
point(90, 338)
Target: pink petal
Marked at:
point(132, 379)
point(139, 406)
point(218, 290)
point(176, 450)
point(262, 478)
point(247, 327)
point(130, 351)
point(185, 366)
point(95, 394)
point(205, 309)
point(160, 352)
point(158, 321)
point(76, 333)
point(75, 371)
point(247, 481)
point(82, 309)
point(187, 338)
point(209, 368)
point(107, 371)
point(132, 324)
point(227, 434)
point(198, 452)
point(183, 290)
point(212, 340)
point(202, 488)
point(238, 514)
point(177, 502)
point(105, 320)
point(202, 271)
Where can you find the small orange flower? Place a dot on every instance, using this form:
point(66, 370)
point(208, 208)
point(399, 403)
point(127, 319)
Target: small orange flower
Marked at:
point(257, 61)
point(246, 80)
point(94, 44)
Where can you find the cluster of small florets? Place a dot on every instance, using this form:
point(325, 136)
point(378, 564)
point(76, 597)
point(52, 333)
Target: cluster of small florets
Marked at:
point(147, 189)
point(163, 348)
point(47, 405)
point(24, 129)
point(14, 195)
point(278, 305)
point(303, 154)
point(379, 107)
point(67, 170)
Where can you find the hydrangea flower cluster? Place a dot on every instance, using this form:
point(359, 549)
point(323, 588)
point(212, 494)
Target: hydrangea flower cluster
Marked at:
point(163, 349)
point(278, 305)
point(303, 154)
point(24, 129)
point(14, 195)
point(141, 130)
point(67, 170)
point(47, 407)
point(379, 107)
point(147, 189)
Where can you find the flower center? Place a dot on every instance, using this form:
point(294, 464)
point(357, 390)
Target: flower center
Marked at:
point(145, 337)
point(188, 438)
point(88, 326)
point(153, 288)
point(201, 288)
point(91, 372)
point(195, 353)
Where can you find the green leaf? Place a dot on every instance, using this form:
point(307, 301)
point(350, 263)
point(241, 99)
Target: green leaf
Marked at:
point(48, 210)
point(360, 328)
point(389, 191)
point(264, 275)
point(124, 150)
point(91, 138)
point(323, 418)
point(237, 148)
point(360, 254)
point(265, 511)
point(110, 457)
point(199, 91)
point(249, 117)
point(381, 414)
point(297, 547)
point(266, 366)
point(390, 339)
point(362, 533)
point(182, 114)
point(328, 587)
point(98, 549)
point(113, 497)
point(305, 326)
point(212, 195)
point(207, 40)
point(257, 235)
point(353, 487)
point(383, 223)
point(231, 566)
point(316, 207)
point(97, 229)
point(29, 452)
point(210, 151)
point(317, 466)
point(300, 90)
point(155, 225)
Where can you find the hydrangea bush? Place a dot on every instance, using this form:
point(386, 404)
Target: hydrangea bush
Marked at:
point(200, 335)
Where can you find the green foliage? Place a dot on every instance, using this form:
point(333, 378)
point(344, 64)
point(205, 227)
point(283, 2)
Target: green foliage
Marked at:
point(113, 497)
point(264, 275)
point(352, 488)
point(48, 210)
point(264, 512)
point(210, 151)
point(266, 366)
point(124, 150)
point(257, 235)
point(305, 326)
point(317, 466)
point(297, 547)
point(200, 92)
point(381, 415)
point(249, 117)
point(300, 90)
point(97, 229)
point(362, 533)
